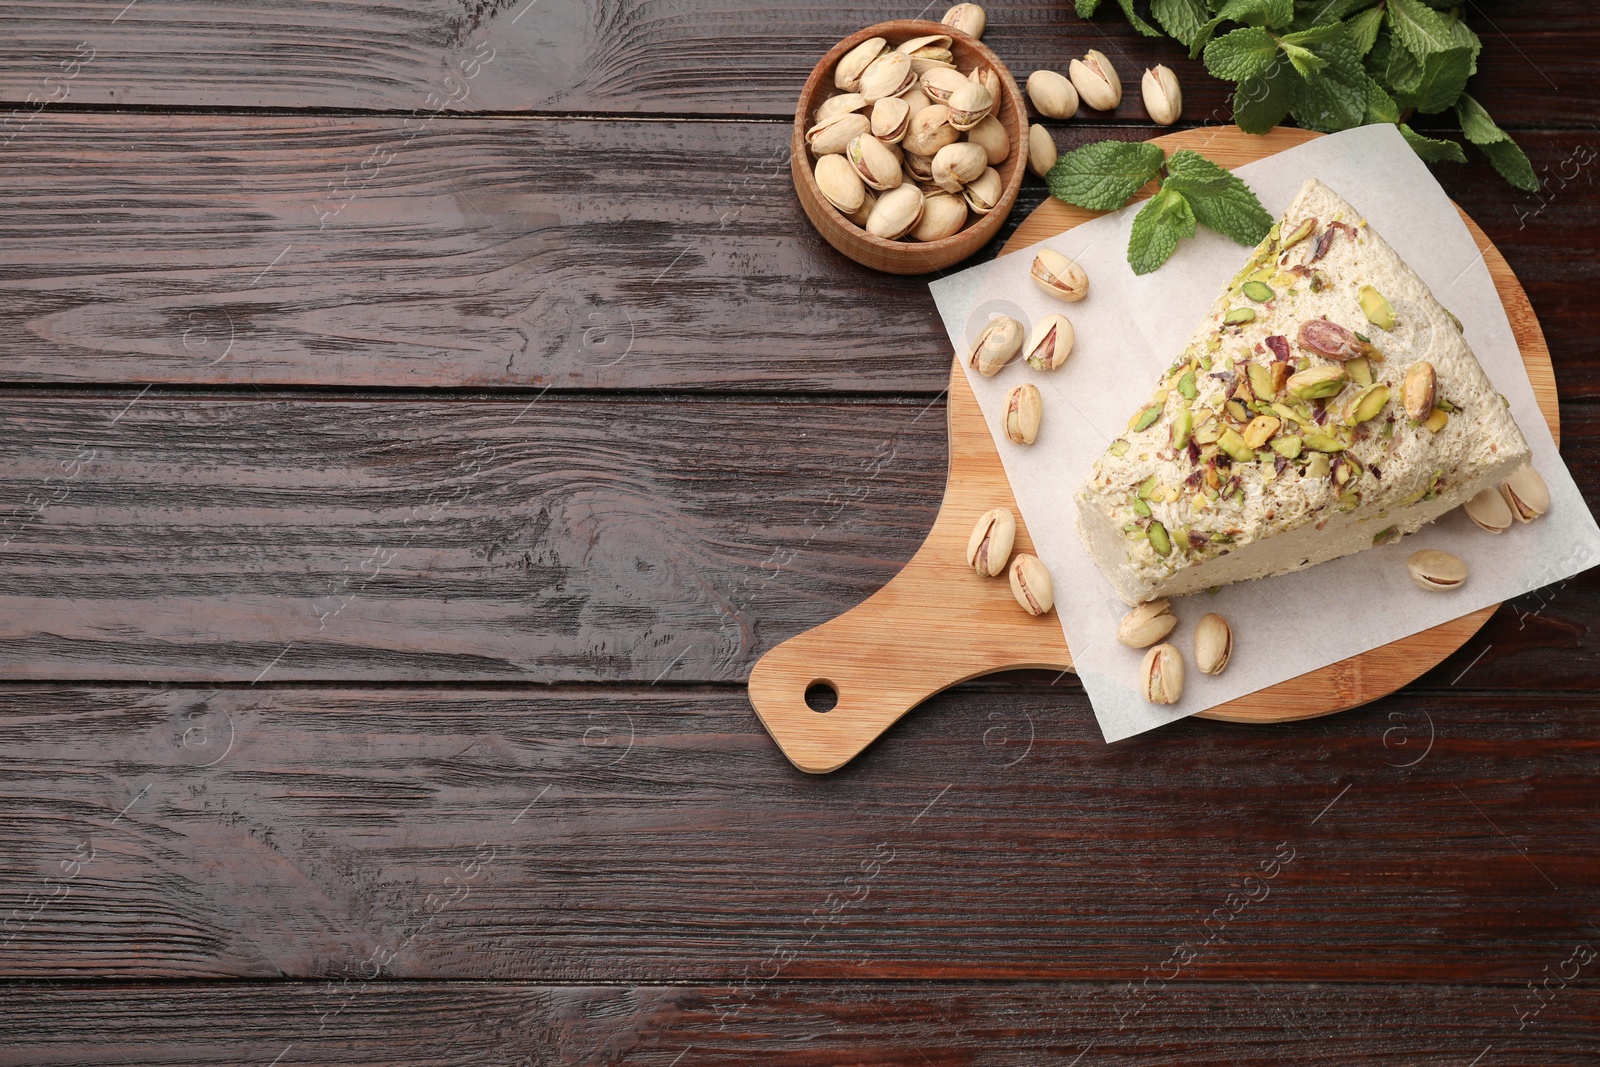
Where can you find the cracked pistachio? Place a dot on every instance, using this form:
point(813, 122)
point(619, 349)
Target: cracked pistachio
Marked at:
point(890, 118)
point(862, 214)
point(1096, 80)
point(984, 191)
point(996, 346)
point(1059, 276)
point(1041, 150)
point(942, 216)
point(847, 75)
point(970, 105)
point(1030, 584)
point(991, 133)
point(1527, 494)
point(1050, 343)
point(989, 546)
point(1024, 410)
point(1146, 624)
point(873, 161)
point(1420, 389)
point(970, 19)
point(986, 78)
point(840, 184)
point(1437, 571)
point(888, 75)
point(832, 136)
point(1052, 94)
point(1213, 644)
point(934, 48)
point(1490, 511)
point(929, 131)
point(842, 104)
point(940, 83)
point(896, 212)
point(1163, 99)
point(1161, 675)
point(920, 167)
point(955, 165)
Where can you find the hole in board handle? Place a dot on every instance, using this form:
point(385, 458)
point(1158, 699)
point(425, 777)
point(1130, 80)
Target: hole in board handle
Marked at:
point(821, 696)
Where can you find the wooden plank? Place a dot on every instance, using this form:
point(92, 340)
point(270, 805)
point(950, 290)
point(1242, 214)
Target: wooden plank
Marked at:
point(640, 56)
point(575, 834)
point(797, 1024)
point(530, 254)
point(541, 540)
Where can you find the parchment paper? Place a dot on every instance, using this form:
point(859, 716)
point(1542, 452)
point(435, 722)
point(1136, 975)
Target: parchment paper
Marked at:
point(1128, 330)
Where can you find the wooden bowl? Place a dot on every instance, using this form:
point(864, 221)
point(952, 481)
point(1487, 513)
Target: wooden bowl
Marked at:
point(908, 257)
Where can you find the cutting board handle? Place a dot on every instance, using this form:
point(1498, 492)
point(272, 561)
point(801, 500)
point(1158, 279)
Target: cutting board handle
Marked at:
point(935, 624)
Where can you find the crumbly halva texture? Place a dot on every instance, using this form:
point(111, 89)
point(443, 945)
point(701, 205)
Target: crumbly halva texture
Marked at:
point(1280, 437)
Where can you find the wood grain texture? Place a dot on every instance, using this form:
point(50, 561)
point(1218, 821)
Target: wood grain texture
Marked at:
point(935, 625)
point(530, 254)
point(572, 540)
point(578, 834)
point(680, 57)
point(795, 1025)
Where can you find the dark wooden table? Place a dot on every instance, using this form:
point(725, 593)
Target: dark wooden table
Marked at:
point(417, 419)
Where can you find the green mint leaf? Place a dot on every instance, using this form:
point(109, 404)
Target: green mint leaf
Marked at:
point(1165, 219)
point(1307, 62)
point(1336, 99)
point(1423, 30)
point(1380, 105)
point(1314, 34)
point(1503, 152)
point(1476, 124)
point(1432, 150)
point(1220, 199)
point(1364, 29)
point(1138, 23)
point(1182, 19)
point(1240, 54)
point(1337, 9)
point(1254, 12)
point(1262, 100)
point(1443, 78)
point(1102, 176)
point(1086, 8)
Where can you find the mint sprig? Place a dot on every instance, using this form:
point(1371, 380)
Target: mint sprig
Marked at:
point(1336, 64)
point(1102, 176)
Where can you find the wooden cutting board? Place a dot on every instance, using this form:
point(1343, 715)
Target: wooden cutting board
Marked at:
point(937, 624)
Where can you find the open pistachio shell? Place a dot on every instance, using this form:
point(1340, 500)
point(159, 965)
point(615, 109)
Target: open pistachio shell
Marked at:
point(841, 104)
point(833, 135)
point(970, 105)
point(890, 117)
point(957, 164)
point(938, 84)
point(871, 158)
point(984, 191)
point(847, 75)
point(888, 75)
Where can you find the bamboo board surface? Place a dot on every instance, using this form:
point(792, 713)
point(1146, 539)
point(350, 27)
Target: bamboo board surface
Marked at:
point(937, 624)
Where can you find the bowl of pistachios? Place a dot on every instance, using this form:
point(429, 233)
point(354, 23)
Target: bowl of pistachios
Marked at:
point(910, 142)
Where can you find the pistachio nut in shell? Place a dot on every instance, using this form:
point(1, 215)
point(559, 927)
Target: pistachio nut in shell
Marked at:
point(1163, 99)
point(896, 212)
point(968, 18)
point(1490, 511)
point(991, 133)
point(842, 104)
point(969, 106)
point(890, 117)
point(1527, 494)
point(1052, 94)
point(840, 184)
point(986, 78)
point(935, 48)
point(860, 217)
point(1059, 276)
point(1050, 343)
point(1161, 675)
point(888, 75)
point(1437, 571)
point(1024, 410)
point(1096, 80)
point(1213, 644)
point(955, 165)
point(871, 158)
point(996, 346)
point(929, 131)
point(1420, 389)
point(1146, 624)
point(921, 167)
point(1030, 584)
point(914, 98)
point(847, 75)
point(984, 192)
point(938, 84)
point(943, 215)
point(1042, 153)
point(989, 546)
point(833, 135)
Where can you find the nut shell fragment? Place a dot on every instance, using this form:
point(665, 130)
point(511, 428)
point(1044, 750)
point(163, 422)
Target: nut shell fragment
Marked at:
point(989, 547)
point(1030, 584)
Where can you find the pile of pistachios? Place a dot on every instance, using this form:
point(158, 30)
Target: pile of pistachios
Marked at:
point(908, 146)
point(1094, 82)
point(1161, 673)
